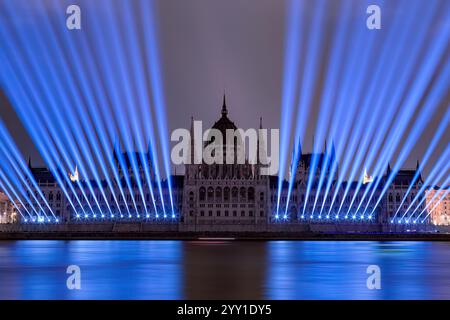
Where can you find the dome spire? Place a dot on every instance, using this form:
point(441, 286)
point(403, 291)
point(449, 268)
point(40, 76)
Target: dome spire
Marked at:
point(224, 106)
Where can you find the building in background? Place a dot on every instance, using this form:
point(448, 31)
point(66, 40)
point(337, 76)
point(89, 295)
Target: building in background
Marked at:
point(404, 191)
point(8, 213)
point(51, 191)
point(225, 193)
point(235, 193)
point(439, 205)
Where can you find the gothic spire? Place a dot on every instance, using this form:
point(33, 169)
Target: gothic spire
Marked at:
point(418, 170)
point(192, 144)
point(298, 145)
point(224, 107)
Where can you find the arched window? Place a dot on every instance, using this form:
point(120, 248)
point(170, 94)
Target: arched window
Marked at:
point(226, 194)
point(234, 194)
point(210, 194)
point(218, 194)
point(251, 194)
point(191, 196)
point(243, 194)
point(202, 194)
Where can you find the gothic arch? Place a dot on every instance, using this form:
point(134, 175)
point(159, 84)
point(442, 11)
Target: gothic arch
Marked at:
point(202, 194)
point(218, 194)
point(234, 194)
point(251, 194)
point(210, 194)
point(226, 194)
point(243, 194)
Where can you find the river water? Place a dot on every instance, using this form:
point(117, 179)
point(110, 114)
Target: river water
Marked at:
point(224, 269)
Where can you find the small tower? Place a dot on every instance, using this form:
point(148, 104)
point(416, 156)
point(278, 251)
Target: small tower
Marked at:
point(419, 172)
point(224, 107)
point(192, 144)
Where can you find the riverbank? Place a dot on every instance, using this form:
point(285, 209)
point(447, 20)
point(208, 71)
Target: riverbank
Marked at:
point(222, 236)
point(175, 231)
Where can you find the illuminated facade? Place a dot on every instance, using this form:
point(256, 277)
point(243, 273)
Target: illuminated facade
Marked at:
point(225, 193)
point(51, 192)
point(318, 208)
point(233, 193)
point(403, 194)
point(439, 205)
point(8, 213)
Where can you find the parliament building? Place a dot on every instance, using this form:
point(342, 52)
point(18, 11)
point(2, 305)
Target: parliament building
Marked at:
point(225, 193)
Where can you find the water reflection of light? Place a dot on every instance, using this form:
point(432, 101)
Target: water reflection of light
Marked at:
point(109, 270)
point(129, 269)
point(235, 269)
point(337, 270)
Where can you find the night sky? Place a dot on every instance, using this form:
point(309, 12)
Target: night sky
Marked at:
point(212, 47)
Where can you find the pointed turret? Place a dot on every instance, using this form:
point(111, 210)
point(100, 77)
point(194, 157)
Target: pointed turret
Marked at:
point(150, 155)
point(333, 151)
point(299, 148)
point(224, 107)
point(419, 171)
point(191, 153)
point(116, 152)
point(334, 163)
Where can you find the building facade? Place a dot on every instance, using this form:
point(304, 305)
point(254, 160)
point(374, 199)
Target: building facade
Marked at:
point(8, 213)
point(231, 193)
point(404, 198)
point(438, 204)
point(225, 193)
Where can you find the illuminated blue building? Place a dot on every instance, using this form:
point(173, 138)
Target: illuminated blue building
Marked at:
point(225, 193)
point(234, 193)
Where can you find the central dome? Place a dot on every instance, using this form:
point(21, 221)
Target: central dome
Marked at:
point(224, 122)
point(222, 125)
